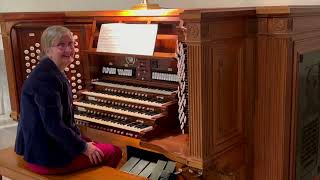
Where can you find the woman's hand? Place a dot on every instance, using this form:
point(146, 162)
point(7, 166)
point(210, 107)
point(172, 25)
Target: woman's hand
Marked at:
point(95, 154)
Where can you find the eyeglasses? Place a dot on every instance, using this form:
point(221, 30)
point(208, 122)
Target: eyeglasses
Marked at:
point(63, 46)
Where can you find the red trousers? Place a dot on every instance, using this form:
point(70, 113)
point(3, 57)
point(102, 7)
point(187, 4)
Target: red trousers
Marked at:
point(112, 156)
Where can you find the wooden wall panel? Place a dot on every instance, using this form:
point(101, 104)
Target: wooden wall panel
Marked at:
point(227, 72)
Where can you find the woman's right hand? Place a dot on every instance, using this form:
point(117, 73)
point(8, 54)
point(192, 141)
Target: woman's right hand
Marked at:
point(95, 154)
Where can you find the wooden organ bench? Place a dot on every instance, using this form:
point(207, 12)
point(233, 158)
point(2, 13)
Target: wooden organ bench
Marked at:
point(12, 166)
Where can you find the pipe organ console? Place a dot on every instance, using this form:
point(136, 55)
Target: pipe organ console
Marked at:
point(218, 99)
point(132, 95)
point(153, 104)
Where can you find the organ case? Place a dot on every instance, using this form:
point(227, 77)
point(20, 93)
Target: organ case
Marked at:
point(217, 57)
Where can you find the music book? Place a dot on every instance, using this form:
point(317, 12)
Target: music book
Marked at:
point(123, 38)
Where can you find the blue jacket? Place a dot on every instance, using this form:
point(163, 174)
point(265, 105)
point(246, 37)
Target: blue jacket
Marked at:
point(47, 134)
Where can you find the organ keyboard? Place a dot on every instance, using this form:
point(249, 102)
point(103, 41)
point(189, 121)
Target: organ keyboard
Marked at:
point(135, 88)
point(121, 97)
point(112, 123)
point(128, 110)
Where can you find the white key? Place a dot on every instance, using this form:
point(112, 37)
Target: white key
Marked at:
point(131, 100)
point(112, 124)
point(157, 91)
point(119, 111)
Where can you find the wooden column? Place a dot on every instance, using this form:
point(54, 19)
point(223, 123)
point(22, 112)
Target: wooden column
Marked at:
point(218, 91)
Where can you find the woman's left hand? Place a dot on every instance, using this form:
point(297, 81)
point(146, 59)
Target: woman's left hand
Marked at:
point(95, 154)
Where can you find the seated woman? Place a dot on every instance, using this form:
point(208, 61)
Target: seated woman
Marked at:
point(47, 136)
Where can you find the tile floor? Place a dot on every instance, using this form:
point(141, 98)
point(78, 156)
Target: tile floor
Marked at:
point(8, 130)
point(4, 90)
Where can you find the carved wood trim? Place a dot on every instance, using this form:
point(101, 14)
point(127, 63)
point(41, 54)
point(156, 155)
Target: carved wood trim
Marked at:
point(194, 33)
point(275, 25)
point(279, 25)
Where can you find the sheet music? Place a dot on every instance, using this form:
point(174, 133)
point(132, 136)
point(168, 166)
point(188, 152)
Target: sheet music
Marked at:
point(127, 38)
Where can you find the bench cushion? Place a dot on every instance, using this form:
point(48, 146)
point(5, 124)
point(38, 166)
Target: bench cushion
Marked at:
point(12, 166)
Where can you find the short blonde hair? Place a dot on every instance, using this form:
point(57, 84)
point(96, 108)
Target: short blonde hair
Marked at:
point(50, 35)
